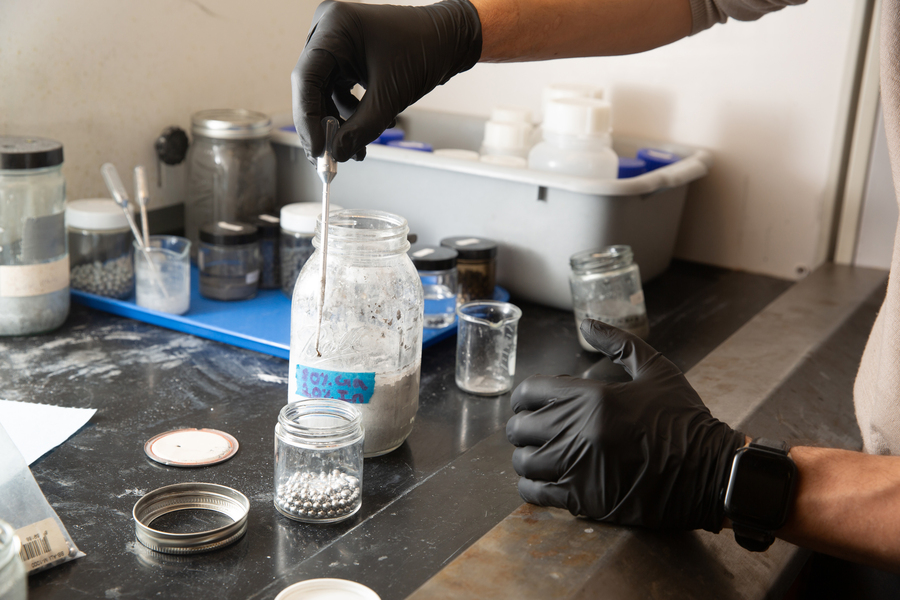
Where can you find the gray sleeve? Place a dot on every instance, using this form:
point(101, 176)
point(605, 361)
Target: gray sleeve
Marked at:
point(706, 13)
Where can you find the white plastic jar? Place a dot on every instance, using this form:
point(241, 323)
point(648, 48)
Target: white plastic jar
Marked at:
point(34, 259)
point(577, 140)
point(368, 350)
point(100, 248)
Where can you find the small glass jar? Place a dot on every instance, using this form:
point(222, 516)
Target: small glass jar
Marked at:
point(230, 169)
point(437, 270)
point(319, 460)
point(34, 260)
point(477, 267)
point(362, 342)
point(298, 228)
point(13, 582)
point(606, 286)
point(269, 227)
point(100, 248)
point(229, 261)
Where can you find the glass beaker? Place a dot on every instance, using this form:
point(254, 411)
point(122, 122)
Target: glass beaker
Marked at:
point(367, 348)
point(486, 347)
point(318, 460)
point(164, 282)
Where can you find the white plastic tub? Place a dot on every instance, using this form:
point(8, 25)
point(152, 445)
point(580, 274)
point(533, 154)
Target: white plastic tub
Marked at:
point(539, 219)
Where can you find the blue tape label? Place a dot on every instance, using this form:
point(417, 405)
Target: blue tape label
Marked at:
point(350, 387)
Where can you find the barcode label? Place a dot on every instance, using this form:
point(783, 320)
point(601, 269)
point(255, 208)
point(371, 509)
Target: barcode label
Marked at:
point(42, 543)
point(35, 548)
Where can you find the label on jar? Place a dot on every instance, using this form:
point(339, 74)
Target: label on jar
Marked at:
point(356, 388)
point(19, 281)
point(42, 543)
point(252, 277)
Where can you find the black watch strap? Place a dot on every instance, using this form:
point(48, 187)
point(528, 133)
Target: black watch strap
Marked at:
point(753, 538)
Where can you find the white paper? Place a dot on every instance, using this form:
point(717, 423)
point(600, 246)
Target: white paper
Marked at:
point(36, 429)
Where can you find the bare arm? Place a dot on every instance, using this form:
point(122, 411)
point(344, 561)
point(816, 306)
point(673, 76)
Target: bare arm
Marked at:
point(523, 30)
point(847, 505)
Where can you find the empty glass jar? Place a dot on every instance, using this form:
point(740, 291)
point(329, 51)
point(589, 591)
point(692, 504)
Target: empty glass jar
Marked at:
point(606, 286)
point(100, 248)
point(34, 262)
point(437, 270)
point(367, 348)
point(318, 460)
point(231, 169)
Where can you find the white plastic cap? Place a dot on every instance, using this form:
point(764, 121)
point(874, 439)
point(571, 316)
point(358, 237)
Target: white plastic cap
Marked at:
point(558, 91)
point(501, 136)
point(578, 116)
point(516, 162)
point(96, 214)
point(457, 153)
point(300, 217)
point(507, 113)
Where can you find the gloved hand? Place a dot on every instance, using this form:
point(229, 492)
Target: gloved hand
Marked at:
point(397, 53)
point(647, 452)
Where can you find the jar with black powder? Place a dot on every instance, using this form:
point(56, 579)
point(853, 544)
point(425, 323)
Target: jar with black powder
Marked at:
point(269, 228)
point(476, 265)
point(298, 227)
point(229, 261)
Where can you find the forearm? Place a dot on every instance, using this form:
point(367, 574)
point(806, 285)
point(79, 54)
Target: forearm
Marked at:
point(847, 505)
point(520, 30)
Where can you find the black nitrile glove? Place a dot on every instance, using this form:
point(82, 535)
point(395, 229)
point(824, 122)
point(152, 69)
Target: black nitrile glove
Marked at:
point(397, 53)
point(647, 452)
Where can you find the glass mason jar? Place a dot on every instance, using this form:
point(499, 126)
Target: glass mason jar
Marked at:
point(229, 261)
point(318, 460)
point(437, 271)
point(100, 248)
point(606, 286)
point(34, 261)
point(13, 583)
point(369, 348)
point(476, 265)
point(231, 169)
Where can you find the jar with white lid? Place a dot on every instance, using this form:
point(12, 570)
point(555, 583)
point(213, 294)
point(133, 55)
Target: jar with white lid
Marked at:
point(229, 261)
point(367, 348)
point(298, 227)
point(13, 581)
point(437, 270)
point(577, 140)
point(606, 286)
point(34, 260)
point(319, 460)
point(231, 169)
point(101, 252)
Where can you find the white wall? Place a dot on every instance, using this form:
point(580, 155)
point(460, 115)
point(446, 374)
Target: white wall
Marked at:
point(106, 76)
point(765, 97)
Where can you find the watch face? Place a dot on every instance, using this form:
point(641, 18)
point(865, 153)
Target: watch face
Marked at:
point(760, 488)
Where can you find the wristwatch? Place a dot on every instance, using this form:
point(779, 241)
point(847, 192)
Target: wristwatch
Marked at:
point(759, 492)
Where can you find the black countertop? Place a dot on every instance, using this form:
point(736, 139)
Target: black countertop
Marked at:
point(423, 504)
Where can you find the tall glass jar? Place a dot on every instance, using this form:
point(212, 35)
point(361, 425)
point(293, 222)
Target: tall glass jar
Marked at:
point(231, 169)
point(370, 342)
point(13, 583)
point(34, 261)
point(606, 286)
point(318, 460)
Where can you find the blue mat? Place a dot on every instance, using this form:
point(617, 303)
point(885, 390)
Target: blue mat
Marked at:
point(262, 324)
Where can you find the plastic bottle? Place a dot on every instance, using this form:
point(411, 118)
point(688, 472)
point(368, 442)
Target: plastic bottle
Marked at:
point(577, 140)
point(509, 132)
